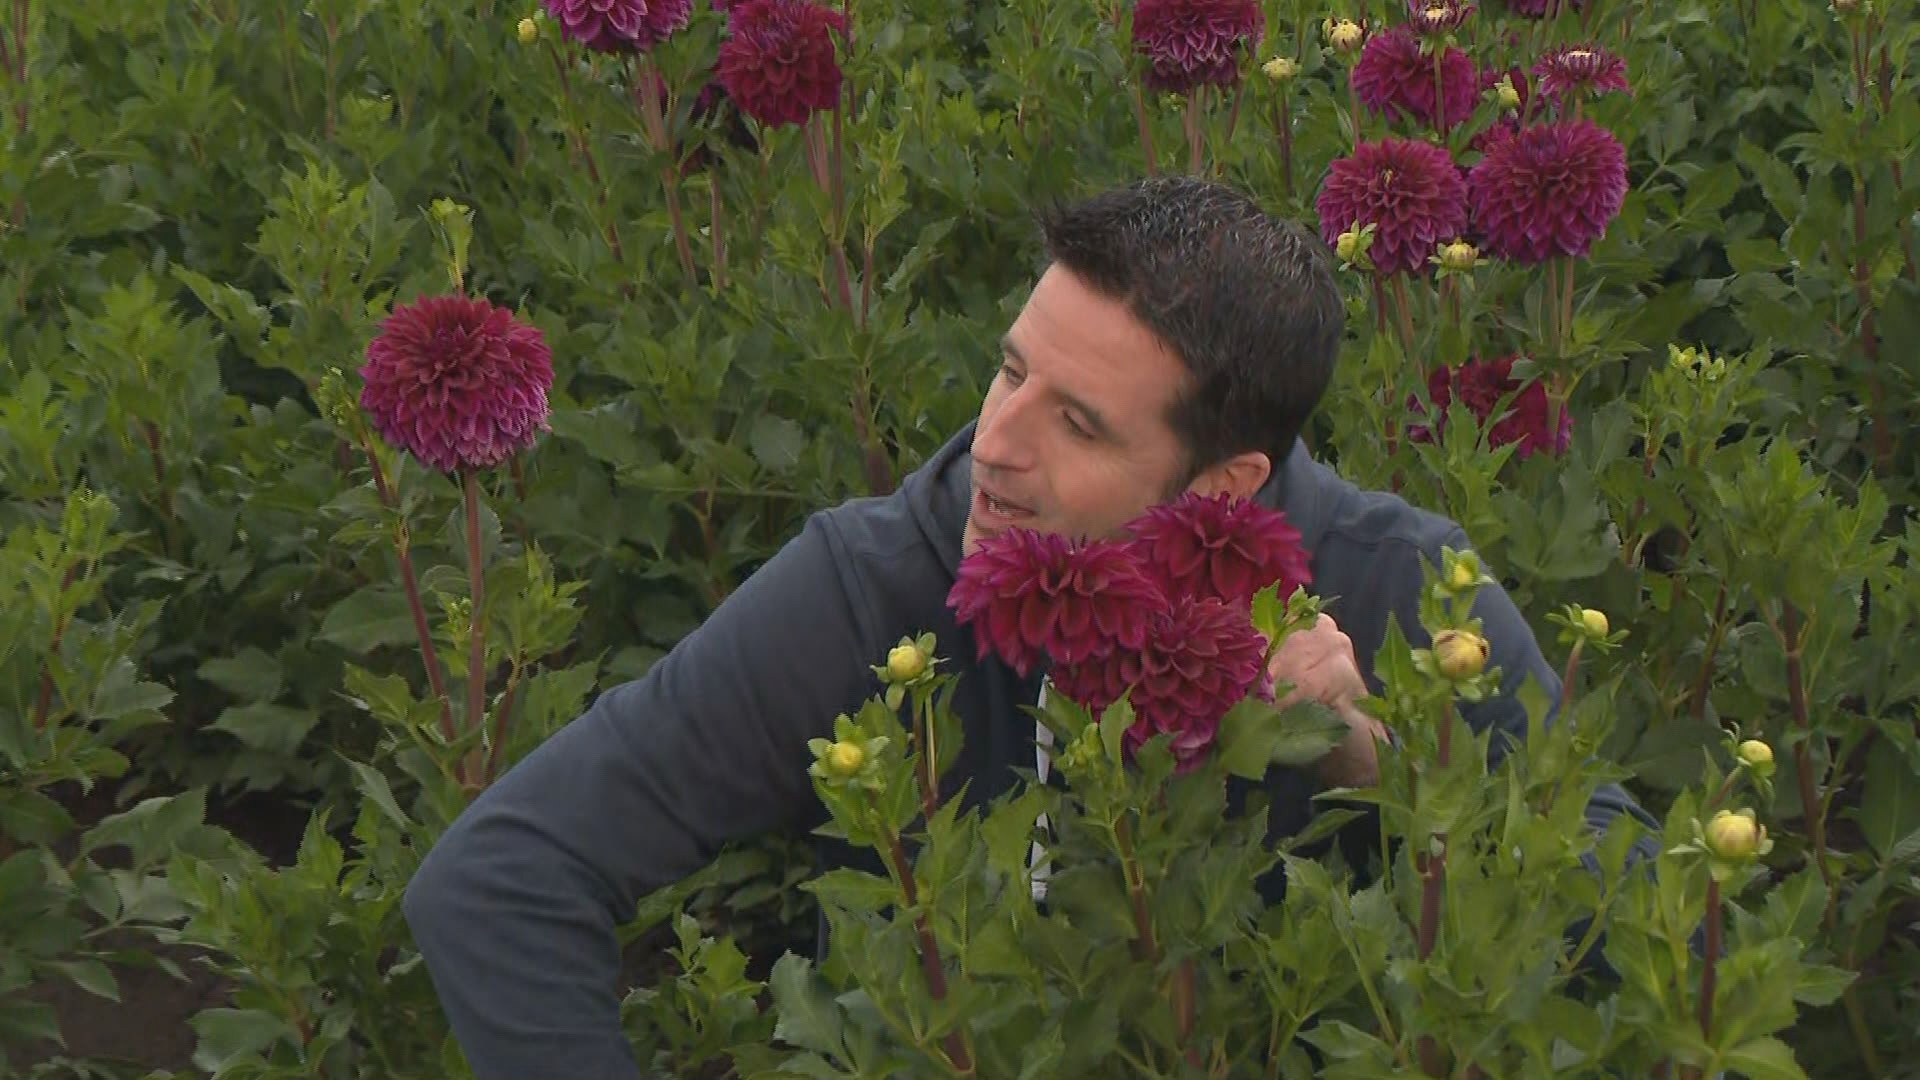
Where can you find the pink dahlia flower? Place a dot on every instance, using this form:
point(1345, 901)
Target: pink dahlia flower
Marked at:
point(1480, 385)
point(457, 382)
point(1189, 43)
point(1035, 596)
point(1409, 189)
point(1219, 548)
point(1200, 659)
point(777, 61)
point(1580, 68)
point(620, 25)
point(1393, 75)
point(1547, 190)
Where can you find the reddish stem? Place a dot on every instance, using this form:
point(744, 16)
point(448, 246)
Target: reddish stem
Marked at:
point(1709, 971)
point(1803, 761)
point(410, 584)
point(499, 740)
point(1146, 134)
point(43, 701)
point(958, 1050)
point(477, 623)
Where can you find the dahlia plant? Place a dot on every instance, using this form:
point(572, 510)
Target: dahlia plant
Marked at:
point(1130, 912)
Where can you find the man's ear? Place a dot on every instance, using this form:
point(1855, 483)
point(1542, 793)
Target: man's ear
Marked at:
point(1239, 476)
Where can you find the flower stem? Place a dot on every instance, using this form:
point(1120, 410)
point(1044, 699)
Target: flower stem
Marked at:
point(1283, 125)
point(653, 119)
point(1709, 970)
point(1566, 680)
point(1146, 134)
point(497, 744)
point(1881, 439)
point(1432, 866)
point(1716, 631)
point(1403, 313)
point(718, 234)
point(43, 699)
point(1145, 947)
point(1791, 640)
point(1190, 121)
point(410, 585)
point(959, 1046)
point(477, 624)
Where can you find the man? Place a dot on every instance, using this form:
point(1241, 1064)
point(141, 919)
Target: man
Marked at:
point(1177, 340)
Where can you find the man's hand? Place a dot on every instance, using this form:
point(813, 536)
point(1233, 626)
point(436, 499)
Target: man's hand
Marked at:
point(1319, 664)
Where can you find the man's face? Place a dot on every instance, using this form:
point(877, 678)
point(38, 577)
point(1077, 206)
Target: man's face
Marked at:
point(1073, 435)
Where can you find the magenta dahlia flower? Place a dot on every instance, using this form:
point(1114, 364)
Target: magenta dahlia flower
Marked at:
point(1547, 190)
point(1409, 189)
point(1434, 18)
point(1190, 43)
point(1219, 548)
point(1481, 385)
point(620, 25)
point(777, 61)
point(457, 382)
point(1587, 69)
point(1033, 597)
point(1394, 76)
point(1200, 659)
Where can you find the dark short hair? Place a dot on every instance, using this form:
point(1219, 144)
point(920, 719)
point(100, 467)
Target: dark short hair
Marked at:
point(1245, 299)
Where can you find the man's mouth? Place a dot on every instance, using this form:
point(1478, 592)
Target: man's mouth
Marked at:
point(995, 512)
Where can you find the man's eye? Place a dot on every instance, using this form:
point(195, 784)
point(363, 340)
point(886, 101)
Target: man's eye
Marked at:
point(1078, 428)
point(1009, 373)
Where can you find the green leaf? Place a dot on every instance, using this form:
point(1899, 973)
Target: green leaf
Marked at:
point(30, 816)
point(1765, 1058)
point(372, 784)
point(368, 619)
point(854, 890)
point(1890, 804)
point(270, 729)
point(809, 1019)
point(92, 976)
point(1821, 984)
point(122, 693)
point(250, 675)
point(153, 829)
point(23, 1022)
point(228, 1036)
point(1255, 736)
point(777, 442)
point(1756, 254)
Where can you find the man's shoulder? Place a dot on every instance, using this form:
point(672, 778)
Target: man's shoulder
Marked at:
point(1351, 521)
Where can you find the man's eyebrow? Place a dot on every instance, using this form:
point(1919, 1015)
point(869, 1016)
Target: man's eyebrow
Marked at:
point(1095, 422)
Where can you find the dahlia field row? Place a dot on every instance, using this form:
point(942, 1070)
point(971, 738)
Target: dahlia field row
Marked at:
point(382, 382)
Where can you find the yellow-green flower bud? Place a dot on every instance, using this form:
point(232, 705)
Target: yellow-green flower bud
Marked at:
point(529, 31)
point(1734, 834)
point(1504, 91)
point(1459, 255)
point(906, 662)
point(845, 758)
point(1280, 68)
point(1595, 621)
point(1465, 571)
point(1757, 756)
point(1346, 36)
point(1460, 654)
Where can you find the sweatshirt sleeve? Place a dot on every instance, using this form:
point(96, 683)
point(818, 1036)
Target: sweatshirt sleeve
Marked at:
point(514, 909)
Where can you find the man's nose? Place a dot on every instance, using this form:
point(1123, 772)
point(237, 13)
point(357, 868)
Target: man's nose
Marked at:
point(1001, 439)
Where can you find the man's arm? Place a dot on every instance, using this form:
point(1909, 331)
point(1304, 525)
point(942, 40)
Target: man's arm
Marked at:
point(515, 907)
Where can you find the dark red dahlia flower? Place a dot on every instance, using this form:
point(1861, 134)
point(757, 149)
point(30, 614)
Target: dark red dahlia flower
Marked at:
point(1394, 76)
point(620, 25)
point(457, 382)
point(1200, 659)
point(1190, 43)
point(777, 61)
point(1587, 69)
point(1219, 548)
point(1434, 18)
point(1547, 190)
point(1480, 385)
point(1410, 190)
point(1033, 597)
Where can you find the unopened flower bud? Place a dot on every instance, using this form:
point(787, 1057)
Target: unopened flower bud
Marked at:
point(1734, 834)
point(1757, 756)
point(1508, 96)
point(906, 662)
point(529, 31)
point(1595, 621)
point(1845, 7)
point(1346, 36)
point(1280, 68)
point(845, 758)
point(1465, 572)
point(1460, 654)
point(1458, 255)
